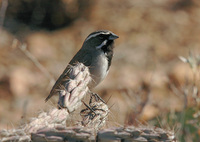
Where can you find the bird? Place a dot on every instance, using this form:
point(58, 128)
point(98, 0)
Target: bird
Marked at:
point(95, 53)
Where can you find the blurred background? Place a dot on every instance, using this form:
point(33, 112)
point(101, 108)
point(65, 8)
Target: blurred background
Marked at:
point(148, 82)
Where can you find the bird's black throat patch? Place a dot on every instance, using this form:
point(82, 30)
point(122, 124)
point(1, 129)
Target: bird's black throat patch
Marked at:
point(108, 51)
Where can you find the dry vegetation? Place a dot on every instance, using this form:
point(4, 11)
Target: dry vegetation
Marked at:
point(154, 77)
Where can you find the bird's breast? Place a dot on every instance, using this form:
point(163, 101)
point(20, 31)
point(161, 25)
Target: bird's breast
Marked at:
point(99, 69)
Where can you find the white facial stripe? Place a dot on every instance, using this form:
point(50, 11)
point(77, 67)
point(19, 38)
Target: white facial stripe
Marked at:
point(102, 44)
point(107, 33)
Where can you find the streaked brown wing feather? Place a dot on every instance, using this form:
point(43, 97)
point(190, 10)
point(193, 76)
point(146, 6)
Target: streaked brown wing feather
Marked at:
point(82, 56)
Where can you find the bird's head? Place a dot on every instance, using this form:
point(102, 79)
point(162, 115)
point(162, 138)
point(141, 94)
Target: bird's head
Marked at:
point(100, 40)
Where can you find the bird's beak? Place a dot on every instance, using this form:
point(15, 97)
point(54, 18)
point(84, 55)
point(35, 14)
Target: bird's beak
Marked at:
point(113, 36)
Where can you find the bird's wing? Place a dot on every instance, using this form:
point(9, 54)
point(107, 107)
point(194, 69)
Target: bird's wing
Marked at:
point(57, 83)
point(82, 56)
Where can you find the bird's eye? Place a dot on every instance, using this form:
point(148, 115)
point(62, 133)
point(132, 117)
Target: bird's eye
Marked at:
point(101, 37)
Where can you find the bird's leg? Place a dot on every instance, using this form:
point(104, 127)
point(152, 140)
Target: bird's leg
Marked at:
point(96, 97)
point(88, 107)
point(92, 112)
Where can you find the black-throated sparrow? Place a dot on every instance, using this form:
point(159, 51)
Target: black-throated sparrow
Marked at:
point(96, 53)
